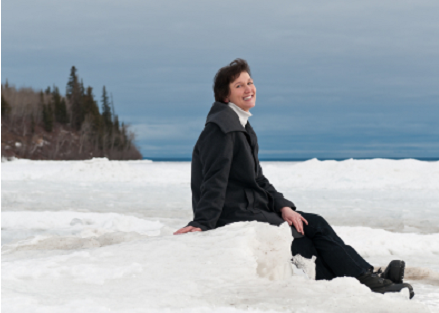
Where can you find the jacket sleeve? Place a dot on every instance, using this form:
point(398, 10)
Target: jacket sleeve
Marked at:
point(216, 154)
point(279, 200)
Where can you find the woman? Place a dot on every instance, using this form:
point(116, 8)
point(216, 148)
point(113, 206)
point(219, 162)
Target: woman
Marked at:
point(228, 186)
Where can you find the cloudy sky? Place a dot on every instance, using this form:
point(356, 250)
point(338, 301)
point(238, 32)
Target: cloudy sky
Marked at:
point(335, 79)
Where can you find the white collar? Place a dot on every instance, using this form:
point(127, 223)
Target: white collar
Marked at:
point(242, 115)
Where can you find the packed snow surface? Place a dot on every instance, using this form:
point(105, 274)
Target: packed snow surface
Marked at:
point(96, 236)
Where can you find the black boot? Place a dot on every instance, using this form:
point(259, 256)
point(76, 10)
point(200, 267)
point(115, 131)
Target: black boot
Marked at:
point(394, 271)
point(382, 285)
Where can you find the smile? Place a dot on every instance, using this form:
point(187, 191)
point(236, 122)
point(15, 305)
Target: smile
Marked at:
point(248, 98)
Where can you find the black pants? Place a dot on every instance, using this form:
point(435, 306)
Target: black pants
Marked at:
point(334, 257)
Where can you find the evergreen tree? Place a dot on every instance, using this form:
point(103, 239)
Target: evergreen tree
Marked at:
point(74, 94)
point(106, 109)
point(47, 117)
point(124, 136)
point(59, 105)
point(6, 108)
point(107, 133)
point(118, 143)
point(116, 124)
point(93, 133)
point(91, 107)
point(71, 83)
point(112, 108)
point(50, 116)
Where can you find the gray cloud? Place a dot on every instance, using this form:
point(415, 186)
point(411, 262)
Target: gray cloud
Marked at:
point(332, 72)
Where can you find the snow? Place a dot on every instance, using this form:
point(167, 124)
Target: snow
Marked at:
point(349, 174)
point(85, 222)
point(96, 236)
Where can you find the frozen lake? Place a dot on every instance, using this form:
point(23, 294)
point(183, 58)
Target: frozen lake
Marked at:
point(96, 236)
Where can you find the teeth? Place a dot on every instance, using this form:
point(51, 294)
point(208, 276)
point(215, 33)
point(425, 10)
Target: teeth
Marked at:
point(247, 98)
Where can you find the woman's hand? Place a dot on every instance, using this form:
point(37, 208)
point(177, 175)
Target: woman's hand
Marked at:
point(187, 229)
point(293, 218)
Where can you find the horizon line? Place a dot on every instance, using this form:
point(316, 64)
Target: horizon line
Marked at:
point(188, 159)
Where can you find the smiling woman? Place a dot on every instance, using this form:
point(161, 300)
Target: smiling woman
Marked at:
point(243, 92)
point(228, 186)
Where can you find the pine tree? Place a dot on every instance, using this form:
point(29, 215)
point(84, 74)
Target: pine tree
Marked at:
point(112, 108)
point(107, 133)
point(106, 109)
point(74, 94)
point(47, 117)
point(91, 107)
point(6, 108)
point(50, 116)
point(59, 105)
point(71, 83)
point(116, 124)
point(94, 133)
point(63, 112)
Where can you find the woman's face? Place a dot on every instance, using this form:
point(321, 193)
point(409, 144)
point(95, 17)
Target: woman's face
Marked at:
point(243, 92)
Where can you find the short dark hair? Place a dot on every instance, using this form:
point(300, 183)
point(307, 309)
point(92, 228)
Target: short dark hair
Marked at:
point(226, 75)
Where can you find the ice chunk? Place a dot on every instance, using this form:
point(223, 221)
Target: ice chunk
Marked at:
point(308, 266)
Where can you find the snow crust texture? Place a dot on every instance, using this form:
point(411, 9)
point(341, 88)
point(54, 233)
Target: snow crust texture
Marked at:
point(405, 193)
point(244, 265)
point(96, 236)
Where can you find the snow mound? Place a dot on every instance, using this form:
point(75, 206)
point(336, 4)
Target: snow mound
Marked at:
point(242, 266)
point(27, 230)
point(371, 243)
point(95, 170)
point(355, 174)
point(246, 250)
point(312, 174)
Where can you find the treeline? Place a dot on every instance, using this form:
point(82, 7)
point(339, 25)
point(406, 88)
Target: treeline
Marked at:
point(47, 125)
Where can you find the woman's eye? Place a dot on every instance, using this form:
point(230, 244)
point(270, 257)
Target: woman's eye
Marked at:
point(237, 86)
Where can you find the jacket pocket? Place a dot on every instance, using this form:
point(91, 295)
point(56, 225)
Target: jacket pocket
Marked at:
point(250, 199)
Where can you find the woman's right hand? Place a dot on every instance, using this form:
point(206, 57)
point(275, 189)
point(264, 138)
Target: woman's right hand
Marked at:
point(187, 229)
point(294, 219)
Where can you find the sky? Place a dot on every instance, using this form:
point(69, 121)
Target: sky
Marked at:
point(335, 79)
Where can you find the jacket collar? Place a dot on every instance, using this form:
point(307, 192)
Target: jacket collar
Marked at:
point(227, 120)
